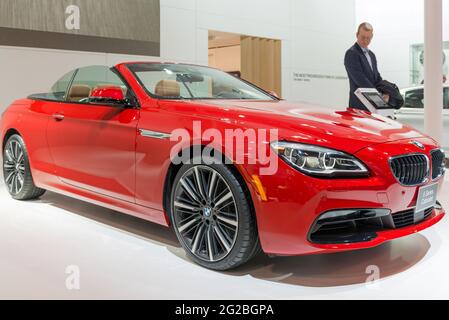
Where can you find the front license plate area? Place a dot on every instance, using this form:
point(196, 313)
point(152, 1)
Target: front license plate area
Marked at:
point(427, 198)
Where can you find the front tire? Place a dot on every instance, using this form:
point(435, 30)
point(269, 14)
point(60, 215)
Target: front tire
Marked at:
point(212, 216)
point(17, 172)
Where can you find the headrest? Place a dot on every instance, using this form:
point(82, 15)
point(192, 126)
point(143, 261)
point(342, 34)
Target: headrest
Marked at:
point(78, 92)
point(167, 88)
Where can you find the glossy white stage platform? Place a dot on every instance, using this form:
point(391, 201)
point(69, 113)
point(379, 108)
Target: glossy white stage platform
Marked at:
point(44, 243)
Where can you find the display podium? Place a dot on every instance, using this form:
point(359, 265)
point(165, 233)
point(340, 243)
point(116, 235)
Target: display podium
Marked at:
point(373, 101)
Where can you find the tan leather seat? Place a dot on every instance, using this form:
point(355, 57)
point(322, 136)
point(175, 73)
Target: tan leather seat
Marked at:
point(167, 88)
point(78, 92)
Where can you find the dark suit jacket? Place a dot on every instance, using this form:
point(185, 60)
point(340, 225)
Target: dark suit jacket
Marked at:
point(360, 73)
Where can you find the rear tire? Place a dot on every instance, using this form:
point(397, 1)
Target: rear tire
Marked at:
point(17, 172)
point(212, 216)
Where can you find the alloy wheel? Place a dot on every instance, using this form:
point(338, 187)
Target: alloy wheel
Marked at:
point(205, 213)
point(14, 166)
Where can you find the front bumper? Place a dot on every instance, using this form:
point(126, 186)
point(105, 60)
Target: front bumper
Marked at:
point(386, 235)
point(292, 201)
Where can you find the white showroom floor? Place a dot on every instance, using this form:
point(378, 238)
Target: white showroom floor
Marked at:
point(119, 256)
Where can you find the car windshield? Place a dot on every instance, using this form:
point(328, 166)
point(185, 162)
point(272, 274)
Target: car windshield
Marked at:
point(178, 81)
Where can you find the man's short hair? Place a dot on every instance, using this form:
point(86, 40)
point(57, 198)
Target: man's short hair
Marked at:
point(365, 26)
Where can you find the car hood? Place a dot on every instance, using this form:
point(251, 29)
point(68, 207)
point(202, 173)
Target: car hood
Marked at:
point(349, 130)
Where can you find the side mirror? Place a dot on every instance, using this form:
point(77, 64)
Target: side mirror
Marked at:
point(109, 95)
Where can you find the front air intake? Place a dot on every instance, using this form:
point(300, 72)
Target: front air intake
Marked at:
point(410, 170)
point(407, 217)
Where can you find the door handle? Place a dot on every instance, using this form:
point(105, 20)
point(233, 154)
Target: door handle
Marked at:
point(58, 116)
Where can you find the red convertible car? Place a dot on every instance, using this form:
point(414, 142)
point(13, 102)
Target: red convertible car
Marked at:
point(126, 138)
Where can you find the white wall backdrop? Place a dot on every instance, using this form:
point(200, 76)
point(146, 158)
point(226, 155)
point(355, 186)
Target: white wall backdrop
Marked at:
point(315, 35)
point(26, 70)
point(397, 24)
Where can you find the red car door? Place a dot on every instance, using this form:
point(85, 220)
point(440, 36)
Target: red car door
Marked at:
point(93, 145)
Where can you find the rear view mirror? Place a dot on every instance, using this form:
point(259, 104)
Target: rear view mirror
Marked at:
point(189, 77)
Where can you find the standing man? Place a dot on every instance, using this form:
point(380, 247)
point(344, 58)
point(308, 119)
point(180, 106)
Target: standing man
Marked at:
point(361, 65)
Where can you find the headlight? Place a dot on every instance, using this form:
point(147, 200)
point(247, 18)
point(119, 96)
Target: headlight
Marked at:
point(319, 161)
